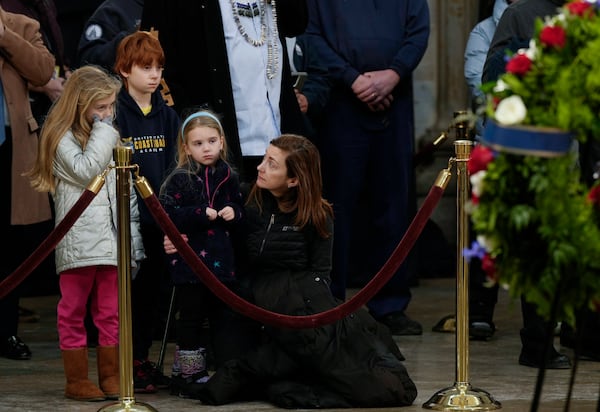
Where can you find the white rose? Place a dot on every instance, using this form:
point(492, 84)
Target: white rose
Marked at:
point(477, 182)
point(511, 110)
point(500, 86)
point(531, 52)
point(486, 243)
point(561, 18)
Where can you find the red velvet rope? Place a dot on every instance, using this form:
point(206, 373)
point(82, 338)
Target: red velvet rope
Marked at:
point(236, 302)
point(48, 245)
point(307, 321)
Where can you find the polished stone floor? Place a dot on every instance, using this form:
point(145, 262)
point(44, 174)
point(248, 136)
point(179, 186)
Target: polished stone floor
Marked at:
point(38, 384)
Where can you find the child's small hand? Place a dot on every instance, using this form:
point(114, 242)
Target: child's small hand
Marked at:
point(211, 213)
point(169, 246)
point(227, 213)
point(135, 269)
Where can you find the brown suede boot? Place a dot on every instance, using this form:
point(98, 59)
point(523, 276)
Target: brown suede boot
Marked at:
point(108, 370)
point(79, 387)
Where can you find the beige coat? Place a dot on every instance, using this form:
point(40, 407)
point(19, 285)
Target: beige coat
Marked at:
point(23, 59)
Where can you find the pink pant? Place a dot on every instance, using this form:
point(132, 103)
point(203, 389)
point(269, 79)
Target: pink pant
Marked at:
point(100, 285)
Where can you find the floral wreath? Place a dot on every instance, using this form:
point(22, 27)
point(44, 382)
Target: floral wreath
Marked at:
point(537, 224)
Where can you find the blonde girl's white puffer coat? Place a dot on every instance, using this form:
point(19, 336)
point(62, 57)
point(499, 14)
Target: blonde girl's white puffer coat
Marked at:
point(92, 240)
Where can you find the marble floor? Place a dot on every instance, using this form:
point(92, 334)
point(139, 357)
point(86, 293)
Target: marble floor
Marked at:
point(431, 359)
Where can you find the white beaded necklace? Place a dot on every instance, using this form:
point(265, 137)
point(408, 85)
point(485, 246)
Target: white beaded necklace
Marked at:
point(272, 41)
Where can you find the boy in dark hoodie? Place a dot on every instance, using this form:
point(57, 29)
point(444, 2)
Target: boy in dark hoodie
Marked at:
point(145, 120)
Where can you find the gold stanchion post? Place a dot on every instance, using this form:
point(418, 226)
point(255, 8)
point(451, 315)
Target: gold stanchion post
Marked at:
point(127, 401)
point(461, 396)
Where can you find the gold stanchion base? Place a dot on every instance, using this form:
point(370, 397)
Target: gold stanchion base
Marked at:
point(129, 405)
point(462, 397)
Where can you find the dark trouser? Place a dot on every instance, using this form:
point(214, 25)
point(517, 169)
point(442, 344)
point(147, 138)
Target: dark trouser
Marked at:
point(482, 302)
point(9, 311)
point(362, 150)
point(536, 332)
point(20, 242)
point(150, 294)
point(482, 298)
point(585, 336)
point(231, 335)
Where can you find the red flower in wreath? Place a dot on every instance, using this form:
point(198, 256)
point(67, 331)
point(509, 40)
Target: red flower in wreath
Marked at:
point(594, 195)
point(579, 8)
point(553, 36)
point(480, 157)
point(489, 267)
point(520, 64)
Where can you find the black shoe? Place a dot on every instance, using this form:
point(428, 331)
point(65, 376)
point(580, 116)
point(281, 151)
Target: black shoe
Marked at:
point(401, 325)
point(14, 348)
point(142, 379)
point(481, 330)
point(587, 351)
point(554, 361)
point(158, 378)
point(591, 354)
point(189, 387)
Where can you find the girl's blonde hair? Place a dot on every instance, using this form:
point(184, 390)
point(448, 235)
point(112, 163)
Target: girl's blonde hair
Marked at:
point(85, 86)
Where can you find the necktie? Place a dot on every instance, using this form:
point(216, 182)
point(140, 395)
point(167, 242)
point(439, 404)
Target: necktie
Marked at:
point(2, 121)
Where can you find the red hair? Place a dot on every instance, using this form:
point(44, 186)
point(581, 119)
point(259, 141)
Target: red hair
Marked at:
point(140, 48)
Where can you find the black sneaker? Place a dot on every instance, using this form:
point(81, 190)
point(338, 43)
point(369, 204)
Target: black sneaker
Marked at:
point(158, 378)
point(401, 325)
point(142, 378)
point(14, 348)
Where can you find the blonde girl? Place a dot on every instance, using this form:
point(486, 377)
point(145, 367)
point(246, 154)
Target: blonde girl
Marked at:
point(76, 144)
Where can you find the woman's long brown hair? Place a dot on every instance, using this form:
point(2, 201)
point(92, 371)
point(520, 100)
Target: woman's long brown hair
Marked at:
point(304, 163)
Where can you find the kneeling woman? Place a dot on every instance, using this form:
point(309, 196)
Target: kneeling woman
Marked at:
point(353, 362)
